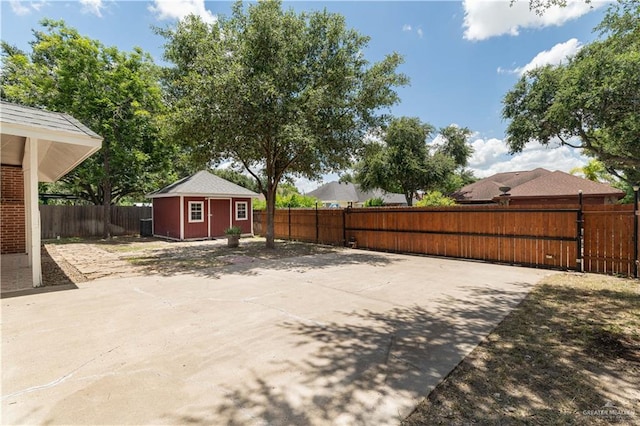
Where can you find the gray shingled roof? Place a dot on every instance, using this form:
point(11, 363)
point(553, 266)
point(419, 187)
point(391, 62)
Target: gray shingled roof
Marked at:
point(205, 184)
point(11, 113)
point(346, 191)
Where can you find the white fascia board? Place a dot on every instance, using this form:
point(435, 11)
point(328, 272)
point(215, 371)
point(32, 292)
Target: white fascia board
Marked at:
point(50, 134)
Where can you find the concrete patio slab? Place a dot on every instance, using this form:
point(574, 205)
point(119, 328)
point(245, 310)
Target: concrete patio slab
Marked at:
point(343, 338)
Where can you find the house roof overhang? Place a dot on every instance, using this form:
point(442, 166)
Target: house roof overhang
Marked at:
point(196, 195)
point(59, 151)
point(616, 195)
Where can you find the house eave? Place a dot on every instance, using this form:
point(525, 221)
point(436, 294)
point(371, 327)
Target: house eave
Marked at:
point(618, 195)
point(213, 196)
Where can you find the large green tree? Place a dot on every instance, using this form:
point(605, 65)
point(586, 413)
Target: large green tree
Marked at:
point(117, 94)
point(592, 102)
point(280, 93)
point(404, 163)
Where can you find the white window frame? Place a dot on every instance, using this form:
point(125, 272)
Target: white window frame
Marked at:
point(201, 204)
point(246, 210)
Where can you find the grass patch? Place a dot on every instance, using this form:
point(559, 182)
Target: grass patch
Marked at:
point(568, 354)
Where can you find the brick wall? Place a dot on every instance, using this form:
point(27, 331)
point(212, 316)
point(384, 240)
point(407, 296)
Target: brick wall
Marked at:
point(12, 211)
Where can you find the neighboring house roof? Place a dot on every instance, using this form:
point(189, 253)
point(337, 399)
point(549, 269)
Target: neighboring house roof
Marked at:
point(205, 184)
point(534, 183)
point(560, 183)
point(62, 141)
point(349, 192)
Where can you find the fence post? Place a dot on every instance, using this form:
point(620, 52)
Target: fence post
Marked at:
point(317, 225)
point(636, 188)
point(344, 226)
point(580, 221)
point(289, 223)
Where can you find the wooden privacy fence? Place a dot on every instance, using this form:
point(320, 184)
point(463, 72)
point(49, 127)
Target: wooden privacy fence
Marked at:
point(86, 221)
point(593, 238)
point(610, 243)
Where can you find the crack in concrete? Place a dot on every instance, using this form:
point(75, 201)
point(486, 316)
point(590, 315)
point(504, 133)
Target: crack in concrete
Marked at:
point(59, 379)
point(286, 313)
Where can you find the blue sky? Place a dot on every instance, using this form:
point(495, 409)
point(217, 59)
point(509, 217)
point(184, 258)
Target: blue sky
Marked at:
point(461, 56)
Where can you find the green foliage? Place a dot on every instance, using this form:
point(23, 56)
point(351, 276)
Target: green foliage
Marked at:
point(594, 170)
point(234, 230)
point(592, 102)
point(405, 164)
point(435, 199)
point(237, 177)
point(456, 144)
point(117, 94)
point(292, 200)
point(541, 6)
point(347, 178)
point(374, 202)
point(457, 180)
point(282, 94)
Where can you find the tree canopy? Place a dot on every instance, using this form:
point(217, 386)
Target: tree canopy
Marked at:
point(405, 164)
point(280, 93)
point(117, 94)
point(592, 102)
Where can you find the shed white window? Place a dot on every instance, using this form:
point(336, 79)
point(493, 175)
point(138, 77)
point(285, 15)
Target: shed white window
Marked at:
point(196, 211)
point(241, 210)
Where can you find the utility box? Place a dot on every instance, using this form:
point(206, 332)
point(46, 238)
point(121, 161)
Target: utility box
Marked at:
point(146, 227)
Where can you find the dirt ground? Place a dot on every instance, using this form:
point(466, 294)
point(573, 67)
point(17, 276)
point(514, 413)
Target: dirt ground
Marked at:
point(568, 354)
point(72, 261)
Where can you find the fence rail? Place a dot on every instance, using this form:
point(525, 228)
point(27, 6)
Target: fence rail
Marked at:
point(86, 221)
point(592, 238)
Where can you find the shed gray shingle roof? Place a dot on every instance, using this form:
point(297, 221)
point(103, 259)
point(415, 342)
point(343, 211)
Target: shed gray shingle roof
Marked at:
point(11, 113)
point(203, 183)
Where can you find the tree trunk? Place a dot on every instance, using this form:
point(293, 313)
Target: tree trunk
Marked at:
point(106, 213)
point(106, 196)
point(271, 211)
point(409, 198)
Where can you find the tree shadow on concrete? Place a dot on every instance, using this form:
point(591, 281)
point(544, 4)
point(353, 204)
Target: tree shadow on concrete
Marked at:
point(370, 367)
point(219, 261)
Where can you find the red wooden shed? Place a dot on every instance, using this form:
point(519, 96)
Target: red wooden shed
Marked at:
point(201, 206)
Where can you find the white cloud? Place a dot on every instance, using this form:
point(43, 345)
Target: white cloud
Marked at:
point(92, 6)
point(178, 9)
point(19, 8)
point(37, 5)
point(408, 28)
point(558, 54)
point(485, 19)
point(491, 156)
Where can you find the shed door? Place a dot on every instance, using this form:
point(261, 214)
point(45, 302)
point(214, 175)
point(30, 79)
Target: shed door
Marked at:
point(219, 216)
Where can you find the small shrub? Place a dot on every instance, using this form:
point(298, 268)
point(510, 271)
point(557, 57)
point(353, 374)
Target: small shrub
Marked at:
point(374, 202)
point(234, 230)
point(435, 199)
